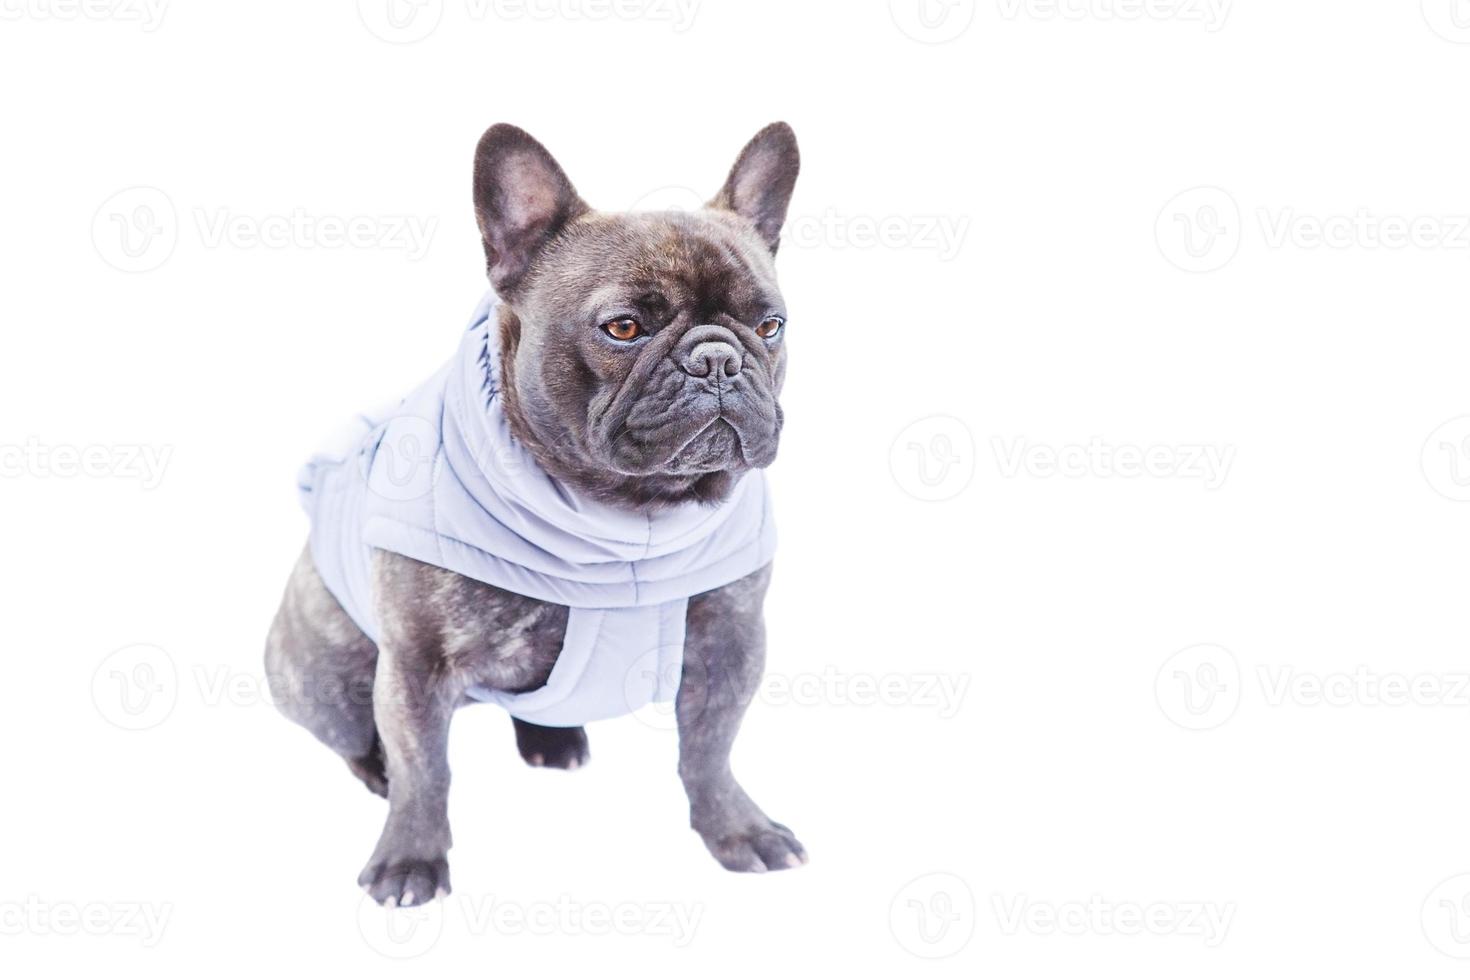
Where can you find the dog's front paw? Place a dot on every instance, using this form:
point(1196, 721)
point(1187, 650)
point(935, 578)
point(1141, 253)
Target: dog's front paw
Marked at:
point(401, 882)
point(761, 846)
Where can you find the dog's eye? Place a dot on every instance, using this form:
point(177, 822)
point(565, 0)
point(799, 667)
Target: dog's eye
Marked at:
point(769, 327)
point(625, 329)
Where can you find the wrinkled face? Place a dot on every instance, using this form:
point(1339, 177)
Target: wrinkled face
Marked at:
point(642, 353)
point(654, 345)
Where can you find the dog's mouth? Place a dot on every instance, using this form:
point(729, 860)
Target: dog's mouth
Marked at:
point(681, 426)
point(721, 441)
point(714, 448)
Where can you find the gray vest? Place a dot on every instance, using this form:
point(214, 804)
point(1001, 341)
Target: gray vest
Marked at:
point(439, 478)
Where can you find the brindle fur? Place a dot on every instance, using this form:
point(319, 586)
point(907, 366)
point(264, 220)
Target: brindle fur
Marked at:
point(643, 425)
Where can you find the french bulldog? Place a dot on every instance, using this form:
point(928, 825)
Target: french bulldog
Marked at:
point(641, 359)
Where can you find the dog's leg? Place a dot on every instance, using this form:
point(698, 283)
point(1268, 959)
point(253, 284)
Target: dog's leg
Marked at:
point(414, 697)
point(414, 703)
point(724, 654)
point(552, 748)
point(319, 666)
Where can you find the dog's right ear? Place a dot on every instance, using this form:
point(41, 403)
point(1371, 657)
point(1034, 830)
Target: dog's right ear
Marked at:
point(522, 200)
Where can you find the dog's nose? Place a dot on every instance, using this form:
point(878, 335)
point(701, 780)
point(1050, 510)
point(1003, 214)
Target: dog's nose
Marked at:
point(712, 359)
point(710, 352)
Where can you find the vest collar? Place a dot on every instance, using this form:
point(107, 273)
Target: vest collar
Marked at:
point(505, 479)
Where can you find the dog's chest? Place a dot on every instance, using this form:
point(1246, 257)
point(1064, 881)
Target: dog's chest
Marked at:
point(488, 636)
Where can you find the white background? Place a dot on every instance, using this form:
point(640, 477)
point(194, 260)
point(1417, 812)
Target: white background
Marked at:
point(989, 228)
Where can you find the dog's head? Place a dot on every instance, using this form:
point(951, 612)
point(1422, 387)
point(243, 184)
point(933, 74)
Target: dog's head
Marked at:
point(642, 353)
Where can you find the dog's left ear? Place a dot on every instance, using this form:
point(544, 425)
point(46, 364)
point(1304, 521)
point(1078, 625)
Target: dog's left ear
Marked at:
point(523, 199)
point(760, 184)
